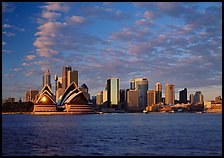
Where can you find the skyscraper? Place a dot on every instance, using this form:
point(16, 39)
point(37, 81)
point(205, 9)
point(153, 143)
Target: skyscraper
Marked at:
point(47, 78)
point(132, 99)
point(191, 98)
point(113, 88)
point(169, 94)
point(99, 98)
point(141, 85)
point(151, 97)
point(31, 95)
point(198, 97)
point(183, 96)
point(65, 76)
point(158, 90)
point(72, 76)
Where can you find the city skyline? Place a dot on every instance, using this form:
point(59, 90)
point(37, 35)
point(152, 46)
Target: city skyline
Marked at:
point(160, 41)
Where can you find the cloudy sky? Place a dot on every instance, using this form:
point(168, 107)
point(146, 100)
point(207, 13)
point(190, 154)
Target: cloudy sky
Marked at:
point(179, 43)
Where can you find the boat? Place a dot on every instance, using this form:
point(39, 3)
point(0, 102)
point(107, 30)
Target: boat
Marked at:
point(145, 111)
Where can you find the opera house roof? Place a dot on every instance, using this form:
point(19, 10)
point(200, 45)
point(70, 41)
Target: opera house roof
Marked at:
point(73, 95)
point(46, 96)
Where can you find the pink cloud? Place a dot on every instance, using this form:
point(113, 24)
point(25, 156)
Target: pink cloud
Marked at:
point(8, 76)
point(25, 64)
point(140, 48)
point(75, 20)
point(50, 15)
point(46, 52)
point(30, 72)
point(30, 57)
point(149, 15)
point(56, 6)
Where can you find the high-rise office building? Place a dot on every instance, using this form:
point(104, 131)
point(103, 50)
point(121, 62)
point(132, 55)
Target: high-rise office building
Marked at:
point(122, 96)
point(191, 98)
point(183, 96)
point(169, 94)
point(104, 96)
point(31, 95)
point(198, 97)
point(99, 98)
point(65, 70)
point(151, 97)
point(113, 91)
point(69, 76)
point(132, 99)
point(158, 91)
point(72, 77)
point(85, 90)
point(47, 78)
point(141, 85)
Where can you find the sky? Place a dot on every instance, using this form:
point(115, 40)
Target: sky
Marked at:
point(167, 42)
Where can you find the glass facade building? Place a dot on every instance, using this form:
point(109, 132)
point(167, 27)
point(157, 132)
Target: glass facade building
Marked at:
point(113, 95)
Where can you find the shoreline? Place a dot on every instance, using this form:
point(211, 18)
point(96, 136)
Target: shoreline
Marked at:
point(78, 113)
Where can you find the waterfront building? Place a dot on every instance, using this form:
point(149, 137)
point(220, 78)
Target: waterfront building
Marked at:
point(72, 77)
point(74, 100)
point(104, 96)
point(45, 101)
point(31, 95)
point(198, 97)
point(10, 100)
point(47, 79)
point(65, 70)
point(218, 100)
point(158, 90)
point(169, 94)
point(151, 97)
point(85, 90)
point(113, 95)
point(122, 96)
point(132, 99)
point(99, 98)
point(141, 85)
point(183, 96)
point(191, 98)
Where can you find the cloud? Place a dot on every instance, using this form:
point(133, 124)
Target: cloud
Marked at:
point(30, 57)
point(9, 76)
point(143, 22)
point(17, 69)
point(25, 64)
point(8, 34)
point(6, 51)
point(75, 20)
point(3, 43)
point(56, 6)
point(31, 72)
point(7, 26)
point(149, 15)
point(50, 15)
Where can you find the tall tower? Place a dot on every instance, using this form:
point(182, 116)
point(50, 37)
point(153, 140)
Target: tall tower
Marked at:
point(113, 91)
point(141, 85)
point(191, 98)
point(198, 97)
point(169, 94)
point(158, 89)
point(72, 75)
point(183, 96)
point(65, 76)
point(47, 78)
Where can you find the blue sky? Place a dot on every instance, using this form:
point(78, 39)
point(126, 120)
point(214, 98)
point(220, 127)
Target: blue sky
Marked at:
point(167, 42)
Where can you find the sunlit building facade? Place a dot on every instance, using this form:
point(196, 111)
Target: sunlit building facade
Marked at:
point(47, 79)
point(151, 97)
point(191, 98)
point(169, 94)
point(31, 95)
point(132, 99)
point(113, 88)
point(99, 98)
point(158, 91)
point(65, 70)
point(141, 85)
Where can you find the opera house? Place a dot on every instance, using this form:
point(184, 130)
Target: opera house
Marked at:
point(72, 101)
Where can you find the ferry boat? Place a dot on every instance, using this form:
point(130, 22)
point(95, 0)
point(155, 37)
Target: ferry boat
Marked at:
point(145, 111)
